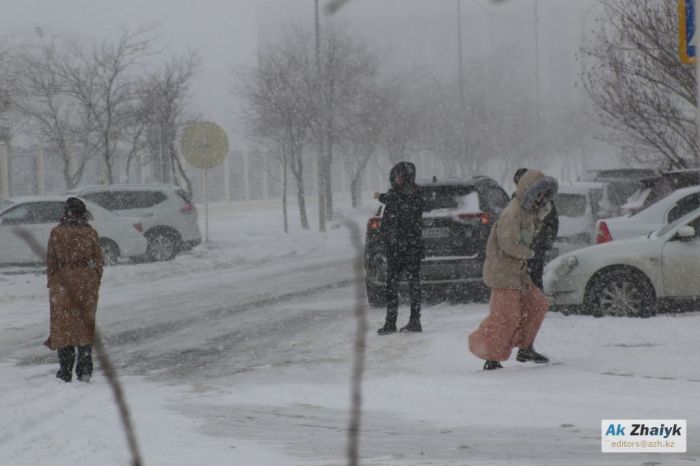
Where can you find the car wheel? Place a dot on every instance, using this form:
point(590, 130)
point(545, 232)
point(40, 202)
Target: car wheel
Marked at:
point(162, 246)
point(376, 295)
point(621, 293)
point(110, 251)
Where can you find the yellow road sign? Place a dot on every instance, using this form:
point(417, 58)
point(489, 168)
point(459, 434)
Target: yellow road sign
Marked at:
point(204, 144)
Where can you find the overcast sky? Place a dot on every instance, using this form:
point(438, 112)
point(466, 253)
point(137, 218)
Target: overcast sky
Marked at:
point(226, 31)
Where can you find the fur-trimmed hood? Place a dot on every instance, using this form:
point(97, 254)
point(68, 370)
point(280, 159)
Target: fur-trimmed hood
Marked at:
point(532, 184)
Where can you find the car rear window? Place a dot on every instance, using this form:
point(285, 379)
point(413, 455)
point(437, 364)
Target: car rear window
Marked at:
point(570, 205)
point(444, 197)
point(125, 200)
point(493, 199)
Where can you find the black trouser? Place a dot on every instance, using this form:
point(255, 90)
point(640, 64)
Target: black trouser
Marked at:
point(535, 267)
point(66, 358)
point(396, 265)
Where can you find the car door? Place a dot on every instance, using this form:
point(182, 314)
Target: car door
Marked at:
point(681, 265)
point(35, 219)
point(14, 250)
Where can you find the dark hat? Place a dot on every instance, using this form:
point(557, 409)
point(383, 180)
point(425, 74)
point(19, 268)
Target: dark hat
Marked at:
point(519, 174)
point(75, 208)
point(406, 170)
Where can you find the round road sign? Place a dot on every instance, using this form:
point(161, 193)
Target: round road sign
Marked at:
point(204, 144)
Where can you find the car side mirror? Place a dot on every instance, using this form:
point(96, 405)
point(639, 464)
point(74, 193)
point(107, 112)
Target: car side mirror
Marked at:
point(685, 233)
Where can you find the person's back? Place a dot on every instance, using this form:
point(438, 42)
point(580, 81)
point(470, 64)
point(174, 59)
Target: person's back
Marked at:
point(74, 245)
point(74, 270)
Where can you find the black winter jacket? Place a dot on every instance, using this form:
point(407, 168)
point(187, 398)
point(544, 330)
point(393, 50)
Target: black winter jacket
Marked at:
point(401, 229)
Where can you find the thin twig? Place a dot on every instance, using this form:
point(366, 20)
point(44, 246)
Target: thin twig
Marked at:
point(119, 399)
point(360, 311)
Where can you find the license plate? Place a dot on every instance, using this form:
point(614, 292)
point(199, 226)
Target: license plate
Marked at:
point(436, 232)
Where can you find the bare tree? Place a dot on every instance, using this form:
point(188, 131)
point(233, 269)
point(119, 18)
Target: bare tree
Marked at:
point(402, 122)
point(279, 106)
point(363, 123)
point(51, 112)
point(440, 124)
point(162, 110)
point(346, 67)
point(644, 96)
point(105, 83)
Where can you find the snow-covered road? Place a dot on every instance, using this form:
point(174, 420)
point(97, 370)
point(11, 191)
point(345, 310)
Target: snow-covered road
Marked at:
point(240, 353)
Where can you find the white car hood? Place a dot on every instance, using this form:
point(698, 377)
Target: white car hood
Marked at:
point(572, 226)
point(625, 251)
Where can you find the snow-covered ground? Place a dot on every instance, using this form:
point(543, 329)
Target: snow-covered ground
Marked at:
point(239, 352)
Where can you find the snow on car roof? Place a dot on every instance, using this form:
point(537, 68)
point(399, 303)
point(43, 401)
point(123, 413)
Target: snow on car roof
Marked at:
point(435, 181)
point(38, 198)
point(135, 187)
point(454, 181)
point(47, 198)
point(581, 187)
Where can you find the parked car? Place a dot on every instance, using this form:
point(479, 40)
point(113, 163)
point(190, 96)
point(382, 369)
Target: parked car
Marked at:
point(616, 174)
point(168, 215)
point(663, 212)
point(624, 182)
point(656, 188)
point(629, 277)
point(457, 219)
point(119, 236)
point(579, 206)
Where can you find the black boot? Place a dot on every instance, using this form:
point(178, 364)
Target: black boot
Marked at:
point(412, 326)
point(529, 354)
point(413, 321)
point(491, 365)
point(66, 358)
point(83, 370)
point(390, 324)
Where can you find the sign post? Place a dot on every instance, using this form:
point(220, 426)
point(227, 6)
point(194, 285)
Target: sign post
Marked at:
point(204, 145)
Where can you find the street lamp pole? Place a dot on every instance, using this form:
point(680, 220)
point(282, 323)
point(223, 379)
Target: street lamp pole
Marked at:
point(460, 76)
point(320, 126)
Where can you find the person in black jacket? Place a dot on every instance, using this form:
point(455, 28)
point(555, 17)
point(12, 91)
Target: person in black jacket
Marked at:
point(544, 240)
point(402, 236)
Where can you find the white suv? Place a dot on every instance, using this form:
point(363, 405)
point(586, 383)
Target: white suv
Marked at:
point(167, 213)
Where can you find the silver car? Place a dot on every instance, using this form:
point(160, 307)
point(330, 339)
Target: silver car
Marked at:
point(167, 213)
point(26, 222)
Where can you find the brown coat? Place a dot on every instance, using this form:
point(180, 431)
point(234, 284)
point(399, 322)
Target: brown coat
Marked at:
point(74, 270)
point(510, 242)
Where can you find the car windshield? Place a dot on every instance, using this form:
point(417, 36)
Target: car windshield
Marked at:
point(5, 204)
point(570, 204)
point(675, 223)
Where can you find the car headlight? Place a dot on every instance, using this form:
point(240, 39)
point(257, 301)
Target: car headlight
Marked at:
point(566, 266)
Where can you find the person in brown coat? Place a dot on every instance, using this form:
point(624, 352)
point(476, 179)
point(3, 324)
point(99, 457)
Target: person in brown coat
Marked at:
point(74, 272)
point(517, 306)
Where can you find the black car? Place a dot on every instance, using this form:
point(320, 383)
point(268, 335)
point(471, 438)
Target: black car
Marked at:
point(457, 218)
